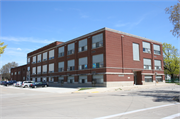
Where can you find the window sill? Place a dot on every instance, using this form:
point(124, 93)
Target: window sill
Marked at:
point(147, 52)
point(70, 54)
point(157, 54)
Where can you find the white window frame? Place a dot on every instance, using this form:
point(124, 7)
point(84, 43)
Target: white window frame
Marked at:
point(61, 53)
point(71, 50)
point(60, 69)
point(33, 70)
point(157, 52)
point(70, 68)
point(98, 43)
point(38, 72)
point(82, 47)
point(97, 64)
point(51, 70)
point(39, 60)
point(83, 65)
point(34, 60)
point(157, 67)
point(146, 49)
point(45, 55)
point(134, 52)
point(147, 66)
point(44, 72)
point(51, 52)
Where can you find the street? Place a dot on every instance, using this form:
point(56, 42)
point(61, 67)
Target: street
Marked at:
point(154, 103)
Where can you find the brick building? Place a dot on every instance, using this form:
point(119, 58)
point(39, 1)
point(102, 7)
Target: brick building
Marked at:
point(106, 57)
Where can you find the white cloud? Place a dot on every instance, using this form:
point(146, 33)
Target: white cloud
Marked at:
point(19, 49)
point(26, 39)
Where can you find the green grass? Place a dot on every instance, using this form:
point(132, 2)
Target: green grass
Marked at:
point(177, 83)
point(84, 89)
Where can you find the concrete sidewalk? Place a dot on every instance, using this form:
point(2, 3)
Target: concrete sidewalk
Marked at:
point(123, 88)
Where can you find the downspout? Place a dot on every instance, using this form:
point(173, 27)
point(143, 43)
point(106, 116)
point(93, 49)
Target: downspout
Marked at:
point(122, 53)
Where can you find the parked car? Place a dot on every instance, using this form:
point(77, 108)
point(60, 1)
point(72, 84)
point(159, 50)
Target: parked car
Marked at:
point(39, 84)
point(2, 82)
point(26, 84)
point(18, 84)
point(6, 83)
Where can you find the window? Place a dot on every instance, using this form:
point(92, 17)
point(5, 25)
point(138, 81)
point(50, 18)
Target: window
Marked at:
point(28, 61)
point(159, 78)
point(147, 63)
point(97, 41)
point(157, 64)
point(60, 66)
point(51, 68)
point(70, 79)
point(61, 52)
point(34, 60)
point(44, 79)
point(71, 65)
point(70, 49)
point(99, 79)
point(19, 72)
point(34, 70)
point(39, 58)
point(60, 79)
point(98, 61)
point(28, 68)
point(146, 47)
point(11, 73)
point(44, 69)
point(51, 54)
point(15, 73)
point(23, 78)
point(136, 51)
point(83, 79)
point(82, 45)
point(34, 79)
point(39, 70)
point(83, 63)
point(157, 49)
point(51, 79)
point(38, 79)
point(45, 56)
point(148, 78)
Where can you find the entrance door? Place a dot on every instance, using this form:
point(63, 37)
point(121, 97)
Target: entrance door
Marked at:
point(135, 78)
point(71, 81)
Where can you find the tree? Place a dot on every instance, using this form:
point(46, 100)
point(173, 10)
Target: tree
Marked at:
point(174, 17)
point(6, 69)
point(171, 60)
point(2, 47)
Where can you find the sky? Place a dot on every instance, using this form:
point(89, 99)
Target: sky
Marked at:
point(28, 25)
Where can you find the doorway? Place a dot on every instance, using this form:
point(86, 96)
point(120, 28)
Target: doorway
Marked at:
point(135, 78)
point(83, 80)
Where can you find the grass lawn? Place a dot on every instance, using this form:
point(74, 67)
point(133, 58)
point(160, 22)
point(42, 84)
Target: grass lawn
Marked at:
point(84, 89)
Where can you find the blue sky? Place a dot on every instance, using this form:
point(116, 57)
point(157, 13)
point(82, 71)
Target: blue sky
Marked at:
point(26, 26)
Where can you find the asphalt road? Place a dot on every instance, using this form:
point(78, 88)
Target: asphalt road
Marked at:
point(157, 103)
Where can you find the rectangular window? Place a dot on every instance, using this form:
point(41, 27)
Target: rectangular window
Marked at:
point(71, 65)
point(15, 73)
point(60, 66)
point(38, 79)
point(51, 54)
point(39, 58)
point(82, 45)
point(98, 61)
point(157, 64)
point(146, 47)
point(19, 72)
point(11, 73)
point(44, 79)
point(34, 70)
point(97, 41)
point(28, 68)
point(39, 70)
point(159, 78)
point(51, 68)
point(70, 49)
point(28, 61)
point(70, 79)
point(61, 79)
point(136, 51)
point(44, 69)
point(34, 60)
point(51, 79)
point(157, 50)
point(45, 56)
point(82, 79)
point(83, 63)
point(23, 78)
point(147, 63)
point(61, 51)
point(148, 78)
